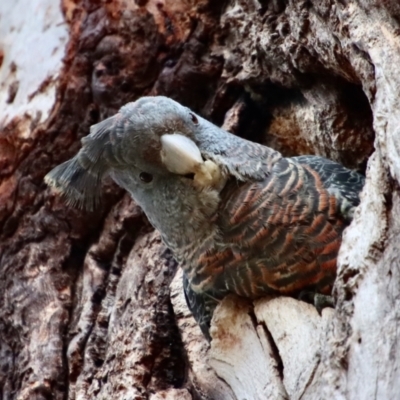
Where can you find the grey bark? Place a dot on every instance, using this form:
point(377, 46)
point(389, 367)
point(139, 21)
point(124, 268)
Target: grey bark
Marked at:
point(89, 306)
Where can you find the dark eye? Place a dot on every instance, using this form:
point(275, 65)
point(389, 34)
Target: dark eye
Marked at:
point(145, 177)
point(194, 119)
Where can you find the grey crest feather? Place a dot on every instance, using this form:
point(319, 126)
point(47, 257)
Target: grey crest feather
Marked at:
point(79, 179)
point(76, 184)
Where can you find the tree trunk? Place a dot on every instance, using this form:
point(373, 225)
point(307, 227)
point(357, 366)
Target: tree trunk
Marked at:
point(89, 306)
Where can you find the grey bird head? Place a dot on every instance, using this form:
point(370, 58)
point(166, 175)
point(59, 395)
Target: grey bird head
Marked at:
point(171, 161)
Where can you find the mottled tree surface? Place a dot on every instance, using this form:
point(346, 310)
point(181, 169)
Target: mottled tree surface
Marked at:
point(89, 307)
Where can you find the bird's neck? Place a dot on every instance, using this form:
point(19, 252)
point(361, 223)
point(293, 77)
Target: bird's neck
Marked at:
point(188, 224)
point(186, 243)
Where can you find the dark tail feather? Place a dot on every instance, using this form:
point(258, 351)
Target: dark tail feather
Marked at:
point(80, 187)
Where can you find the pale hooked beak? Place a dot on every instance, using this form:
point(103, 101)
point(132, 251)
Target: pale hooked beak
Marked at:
point(181, 156)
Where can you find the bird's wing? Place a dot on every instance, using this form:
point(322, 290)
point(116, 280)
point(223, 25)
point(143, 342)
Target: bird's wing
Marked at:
point(345, 184)
point(281, 235)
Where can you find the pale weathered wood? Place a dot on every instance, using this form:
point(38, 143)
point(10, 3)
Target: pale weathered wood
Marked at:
point(298, 332)
point(241, 354)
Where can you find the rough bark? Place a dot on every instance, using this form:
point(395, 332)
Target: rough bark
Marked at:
point(86, 306)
